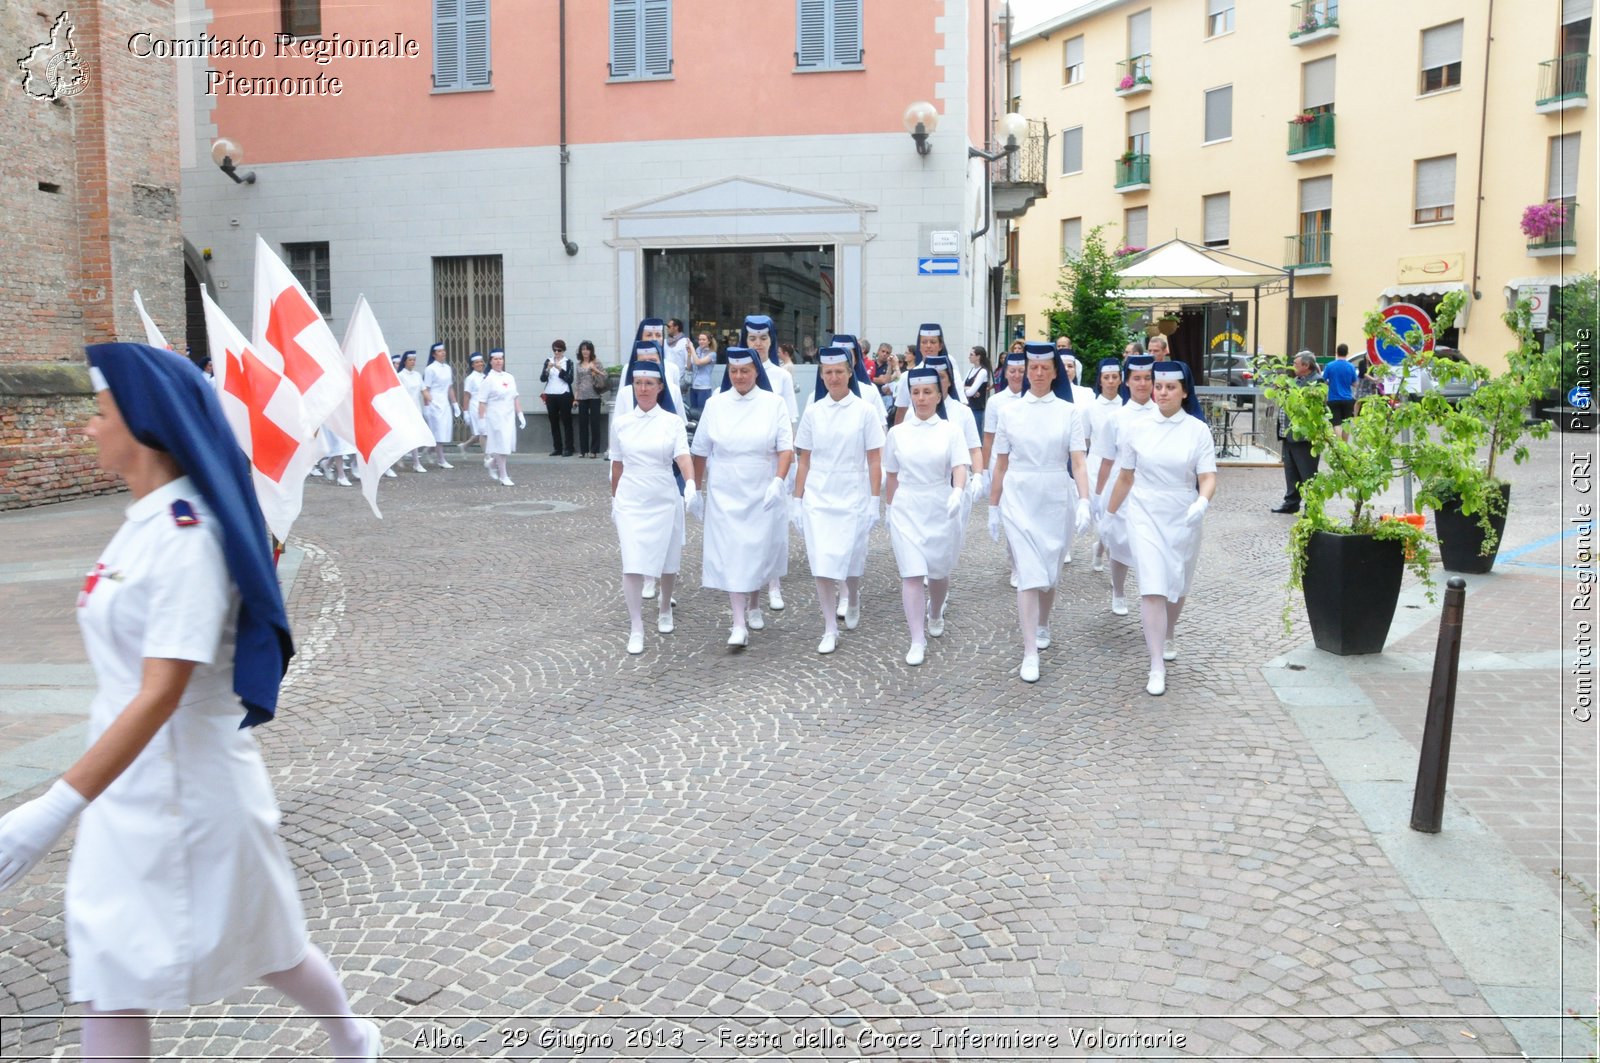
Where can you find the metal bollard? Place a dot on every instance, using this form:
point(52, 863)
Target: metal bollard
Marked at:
point(1427, 805)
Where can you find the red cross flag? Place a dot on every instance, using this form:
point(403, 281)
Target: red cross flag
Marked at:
point(289, 323)
point(376, 415)
point(264, 410)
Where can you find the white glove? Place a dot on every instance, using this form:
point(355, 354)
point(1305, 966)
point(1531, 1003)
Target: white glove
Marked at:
point(693, 501)
point(30, 830)
point(974, 487)
point(1196, 510)
point(1097, 506)
point(1082, 516)
point(522, 422)
point(774, 493)
point(455, 409)
point(952, 505)
point(797, 514)
point(874, 511)
point(994, 523)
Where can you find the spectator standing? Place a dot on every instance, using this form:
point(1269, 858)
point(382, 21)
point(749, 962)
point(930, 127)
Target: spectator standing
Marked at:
point(1340, 377)
point(701, 371)
point(1299, 464)
point(677, 350)
point(977, 383)
point(557, 379)
point(589, 382)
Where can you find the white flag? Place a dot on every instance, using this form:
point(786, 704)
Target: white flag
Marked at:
point(377, 415)
point(152, 335)
point(289, 323)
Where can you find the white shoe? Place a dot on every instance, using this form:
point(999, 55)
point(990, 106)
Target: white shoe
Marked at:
point(445, 465)
point(916, 653)
point(1067, 560)
point(844, 607)
point(936, 625)
point(828, 644)
point(775, 600)
point(649, 591)
point(505, 481)
point(1014, 581)
point(755, 620)
point(373, 1053)
point(1042, 638)
point(739, 637)
point(636, 642)
point(664, 622)
point(1029, 672)
point(1099, 565)
point(487, 461)
point(1169, 651)
point(416, 466)
point(1119, 606)
point(1157, 685)
point(344, 481)
point(389, 473)
point(852, 617)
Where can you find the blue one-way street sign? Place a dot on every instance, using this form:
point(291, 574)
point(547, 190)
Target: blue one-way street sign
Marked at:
point(939, 265)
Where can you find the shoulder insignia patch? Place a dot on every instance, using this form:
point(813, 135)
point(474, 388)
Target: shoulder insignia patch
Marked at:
point(183, 514)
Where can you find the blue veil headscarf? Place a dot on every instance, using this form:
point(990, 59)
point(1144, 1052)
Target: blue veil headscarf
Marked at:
point(168, 405)
point(952, 391)
point(653, 367)
point(1133, 361)
point(859, 362)
point(739, 356)
point(760, 322)
point(833, 355)
point(649, 322)
point(1171, 369)
point(1037, 350)
point(925, 374)
point(1110, 363)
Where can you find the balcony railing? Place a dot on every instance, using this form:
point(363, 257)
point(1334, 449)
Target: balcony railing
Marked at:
point(1133, 75)
point(1019, 177)
point(1313, 135)
point(1013, 282)
point(1309, 251)
point(1312, 20)
point(1561, 241)
point(1563, 79)
point(1133, 171)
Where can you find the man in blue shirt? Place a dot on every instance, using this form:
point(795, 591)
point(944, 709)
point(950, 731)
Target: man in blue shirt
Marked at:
point(1340, 376)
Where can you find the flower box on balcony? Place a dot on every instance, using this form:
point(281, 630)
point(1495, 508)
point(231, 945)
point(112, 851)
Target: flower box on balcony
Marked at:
point(1551, 228)
point(1311, 136)
point(1313, 20)
point(1133, 173)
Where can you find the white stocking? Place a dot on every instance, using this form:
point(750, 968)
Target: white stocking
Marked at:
point(914, 596)
point(938, 590)
point(828, 600)
point(1153, 611)
point(852, 585)
point(438, 453)
point(314, 986)
point(633, 594)
point(666, 581)
point(1174, 610)
point(737, 601)
point(500, 466)
point(1028, 617)
point(115, 1035)
point(1119, 578)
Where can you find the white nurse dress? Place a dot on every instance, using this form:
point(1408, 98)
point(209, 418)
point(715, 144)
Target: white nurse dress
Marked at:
point(740, 436)
point(647, 509)
point(1039, 434)
point(835, 506)
point(498, 393)
point(922, 454)
point(1166, 455)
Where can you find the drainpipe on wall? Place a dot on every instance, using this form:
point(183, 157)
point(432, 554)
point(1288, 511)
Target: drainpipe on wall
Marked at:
point(566, 156)
point(1483, 128)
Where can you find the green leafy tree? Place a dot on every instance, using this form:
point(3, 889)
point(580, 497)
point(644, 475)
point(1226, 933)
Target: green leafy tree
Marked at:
point(1573, 322)
point(1085, 306)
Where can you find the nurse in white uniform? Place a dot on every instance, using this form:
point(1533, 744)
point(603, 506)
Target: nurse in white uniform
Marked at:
point(411, 380)
point(742, 452)
point(1107, 402)
point(475, 426)
point(500, 411)
point(1167, 474)
point(646, 443)
point(1014, 381)
point(930, 344)
point(179, 892)
point(647, 348)
point(840, 446)
point(756, 334)
point(439, 393)
point(1104, 454)
point(334, 452)
point(1040, 493)
point(927, 464)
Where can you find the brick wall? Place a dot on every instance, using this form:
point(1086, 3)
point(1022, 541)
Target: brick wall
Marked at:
point(44, 456)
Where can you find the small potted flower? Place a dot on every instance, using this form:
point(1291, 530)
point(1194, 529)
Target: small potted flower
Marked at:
point(1126, 83)
point(1303, 118)
point(1541, 221)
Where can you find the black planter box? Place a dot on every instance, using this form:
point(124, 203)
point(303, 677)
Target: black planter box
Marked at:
point(1461, 537)
point(1352, 585)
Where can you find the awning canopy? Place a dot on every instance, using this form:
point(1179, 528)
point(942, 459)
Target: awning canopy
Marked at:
point(1152, 296)
point(1180, 264)
point(1398, 292)
point(1536, 282)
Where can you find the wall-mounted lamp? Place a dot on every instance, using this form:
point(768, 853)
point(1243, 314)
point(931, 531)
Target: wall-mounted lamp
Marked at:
point(921, 120)
point(1011, 128)
point(228, 155)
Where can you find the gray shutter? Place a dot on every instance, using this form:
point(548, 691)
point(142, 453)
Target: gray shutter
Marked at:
point(1575, 11)
point(1216, 210)
point(1072, 149)
point(1436, 182)
point(1136, 227)
point(625, 38)
point(1563, 167)
point(657, 36)
point(1075, 51)
point(1219, 113)
point(475, 42)
point(1071, 238)
point(446, 44)
point(845, 41)
point(1316, 194)
point(1217, 7)
point(811, 32)
point(1139, 122)
point(1139, 33)
point(1441, 45)
point(1316, 80)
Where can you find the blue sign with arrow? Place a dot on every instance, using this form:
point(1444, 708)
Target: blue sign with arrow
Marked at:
point(939, 266)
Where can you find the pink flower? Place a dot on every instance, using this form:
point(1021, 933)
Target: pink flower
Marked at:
point(1543, 219)
point(1126, 82)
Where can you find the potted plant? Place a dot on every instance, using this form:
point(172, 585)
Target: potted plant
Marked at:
point(1126, 83)
point(1303, 118)
point(1541, 221)
point(1127, 157)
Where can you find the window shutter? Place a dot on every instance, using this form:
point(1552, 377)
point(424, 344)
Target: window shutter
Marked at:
point(1139, 34)
point(1316, 81)
point(1139, 122)
point(1563, 166)
point(845, 43)
point(1071, 238)
point(1072, 149)
point(446, 44)
point(657, 34)
point(1075, 51)
point(811, 23)
point(624, 38)
point(1217, 7)
point(1316, 194)
point(1219, 113)
point(1136, 225)
point(1575, 11)
point(475, 42)
point(1216, 209)
point(1436, 182)
point(1441, 45)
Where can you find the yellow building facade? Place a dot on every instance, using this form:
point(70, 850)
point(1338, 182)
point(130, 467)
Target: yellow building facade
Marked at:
point(1388, 152)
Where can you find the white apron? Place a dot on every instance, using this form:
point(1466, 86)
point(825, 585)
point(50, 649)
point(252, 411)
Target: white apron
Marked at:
point(1166, 454)
point(1114, 430)
point(179, 891)
point(1038, 497)
point(498, 393)
point(740, 436)
point(923, 454)
point(436, 377)
point(475, 424)
point(647, 509)
point(838, 436)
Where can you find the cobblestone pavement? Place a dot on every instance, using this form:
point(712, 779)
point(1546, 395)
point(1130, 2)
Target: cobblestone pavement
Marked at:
point(512, 837)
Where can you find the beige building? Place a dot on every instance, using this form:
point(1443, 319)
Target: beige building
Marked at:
point(1387, 152)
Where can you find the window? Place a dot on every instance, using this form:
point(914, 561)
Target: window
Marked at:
point(1072, 61)
point(828, 34)
point(301, 18)
point(1314, 324)
point(1014, 87)
point(1316, 205)
point(1136, 227)
point(1441, 57)
point(1436, 190)
point(1575, 16)
point(460, 45)
point(641, 39)
point(1139, 34)
point(1071, 239)
point(1563, 182)
point(1219, 114)
point(469, 306)
point(1316, 86)
point(1219, 17)
point(1139, 131)
point(1072, 150)
point(1214, 210)
point(309, 264)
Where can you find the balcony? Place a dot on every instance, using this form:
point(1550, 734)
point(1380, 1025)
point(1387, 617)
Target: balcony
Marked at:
point(1558, 242)
point(1563, 83)
point(1019, 178)
point(1013, 283)
point(1308, 254)
point(1133, 75)
point(1313, 20)
point(1311, 136)
point(1133, 173)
